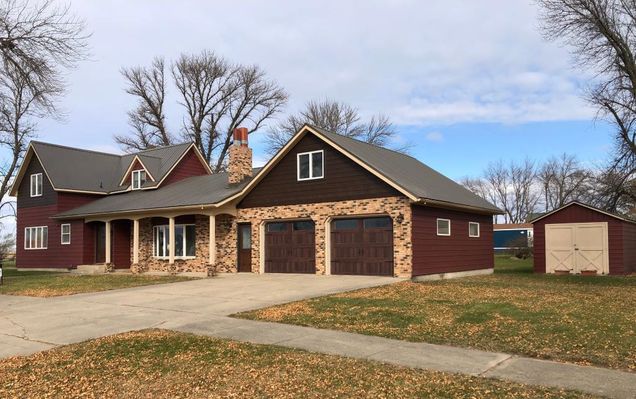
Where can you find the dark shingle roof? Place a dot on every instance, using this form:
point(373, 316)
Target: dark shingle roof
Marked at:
point(84, 170)
point(197, 190)
point(407, 172)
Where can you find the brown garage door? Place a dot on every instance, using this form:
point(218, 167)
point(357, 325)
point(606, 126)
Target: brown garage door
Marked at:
point(362, 246)
point(290, 247)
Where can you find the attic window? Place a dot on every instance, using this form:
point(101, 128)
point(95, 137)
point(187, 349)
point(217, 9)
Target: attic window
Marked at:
point(311, 165)
point(36, 185)
point(138, 179)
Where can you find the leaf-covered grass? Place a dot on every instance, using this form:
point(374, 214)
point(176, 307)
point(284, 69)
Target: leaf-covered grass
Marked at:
point(162, 364)
point(47, 284)
point(585, 320)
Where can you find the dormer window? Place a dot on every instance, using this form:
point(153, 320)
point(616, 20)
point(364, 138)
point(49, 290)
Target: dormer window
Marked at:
point(138, 179)
point(36, 185)
point(311, 165)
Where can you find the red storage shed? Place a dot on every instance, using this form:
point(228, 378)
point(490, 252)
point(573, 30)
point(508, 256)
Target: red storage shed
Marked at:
point(580, 238)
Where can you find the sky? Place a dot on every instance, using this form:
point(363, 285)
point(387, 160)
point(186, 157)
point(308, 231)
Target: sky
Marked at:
point(465, 83)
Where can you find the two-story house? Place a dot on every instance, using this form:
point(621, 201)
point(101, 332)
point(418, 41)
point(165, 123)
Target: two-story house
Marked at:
point(324, 204)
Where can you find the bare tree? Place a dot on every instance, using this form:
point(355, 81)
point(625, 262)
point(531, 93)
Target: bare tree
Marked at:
point(207, 86)
point(216, 96)
point(19, 106)
point(562, 179)
point(336, 117)
point(38, 39)
point(510, 187)
point(603, 36)
point(148, 120)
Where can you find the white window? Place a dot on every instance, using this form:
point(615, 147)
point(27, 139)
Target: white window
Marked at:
point(36, 237)
point(66, 234)
point(443, 227)
point(473, 229)
point(36, 185)
point(138, 179)
point(311, 165)
point(184, 241)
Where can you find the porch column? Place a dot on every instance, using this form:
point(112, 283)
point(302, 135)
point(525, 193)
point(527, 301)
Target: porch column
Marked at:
point(171, 240)
point(212, 234)
point(135, 241)
point(108, 250)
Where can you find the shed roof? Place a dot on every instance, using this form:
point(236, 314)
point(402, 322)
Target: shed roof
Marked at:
point(593, 208)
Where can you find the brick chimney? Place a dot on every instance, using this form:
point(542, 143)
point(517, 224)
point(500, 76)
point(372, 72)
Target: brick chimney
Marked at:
point(240, 164)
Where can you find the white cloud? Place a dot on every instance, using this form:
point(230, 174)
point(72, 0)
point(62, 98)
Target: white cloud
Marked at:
point(419, 62)
point(435, 137)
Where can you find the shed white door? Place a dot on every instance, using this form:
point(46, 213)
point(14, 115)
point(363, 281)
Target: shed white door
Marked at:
point(576, 247)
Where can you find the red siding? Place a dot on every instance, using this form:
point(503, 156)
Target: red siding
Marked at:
point(121, 250)
point(458, 252)
point(66, 201)
point(189, 166)
point(56, 255)
point(580, 214)
point(629, 247)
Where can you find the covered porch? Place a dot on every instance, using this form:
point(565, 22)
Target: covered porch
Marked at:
point(192, 242)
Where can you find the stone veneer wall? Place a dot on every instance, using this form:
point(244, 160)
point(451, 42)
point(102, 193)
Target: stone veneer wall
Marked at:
point(321, 212)
point(240, 163)
point(226, 255)
point(226, 248)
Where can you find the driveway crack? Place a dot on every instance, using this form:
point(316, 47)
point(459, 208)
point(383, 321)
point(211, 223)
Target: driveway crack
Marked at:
point(20, 326)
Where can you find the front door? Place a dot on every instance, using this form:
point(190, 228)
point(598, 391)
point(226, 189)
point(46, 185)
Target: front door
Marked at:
point(244, 247)
point(100, 243)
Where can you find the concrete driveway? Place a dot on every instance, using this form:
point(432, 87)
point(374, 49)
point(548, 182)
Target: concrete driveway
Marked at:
point(29, 325)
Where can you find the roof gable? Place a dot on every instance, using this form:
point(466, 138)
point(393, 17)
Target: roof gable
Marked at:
point(586, 206)
point(86, 171)
point(404, 173)
point(342, 179)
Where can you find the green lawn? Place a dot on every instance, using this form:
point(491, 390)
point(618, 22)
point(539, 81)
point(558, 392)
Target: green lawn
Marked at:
point(585, 320)
point(162, 364)
point(47, 284)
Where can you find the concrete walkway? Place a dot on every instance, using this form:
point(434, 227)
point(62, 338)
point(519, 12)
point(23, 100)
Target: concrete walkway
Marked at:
point(29, 325)
point(594, 380)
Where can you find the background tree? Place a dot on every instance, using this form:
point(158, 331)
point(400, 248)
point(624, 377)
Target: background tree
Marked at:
point(216, 96)
point(511, 187)
point(602, 34)
point(148, 119)
point(38, 40)
point(562, 179)
point(336, 117)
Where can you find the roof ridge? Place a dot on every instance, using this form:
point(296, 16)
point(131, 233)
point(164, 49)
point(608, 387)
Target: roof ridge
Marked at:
point(160, 148)
point(76, 148)
point(365, 142)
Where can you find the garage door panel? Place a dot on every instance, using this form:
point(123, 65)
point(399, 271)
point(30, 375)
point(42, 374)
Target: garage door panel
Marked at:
point(290, 247)
point(362, 246)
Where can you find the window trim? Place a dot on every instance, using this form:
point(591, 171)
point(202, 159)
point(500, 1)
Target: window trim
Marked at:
point(311, 161)
point(165, 244)
point(38, 176)
point(62, 234)
point(437, 227)
point(35, 228)
point(478, 230)
point(137, 172)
